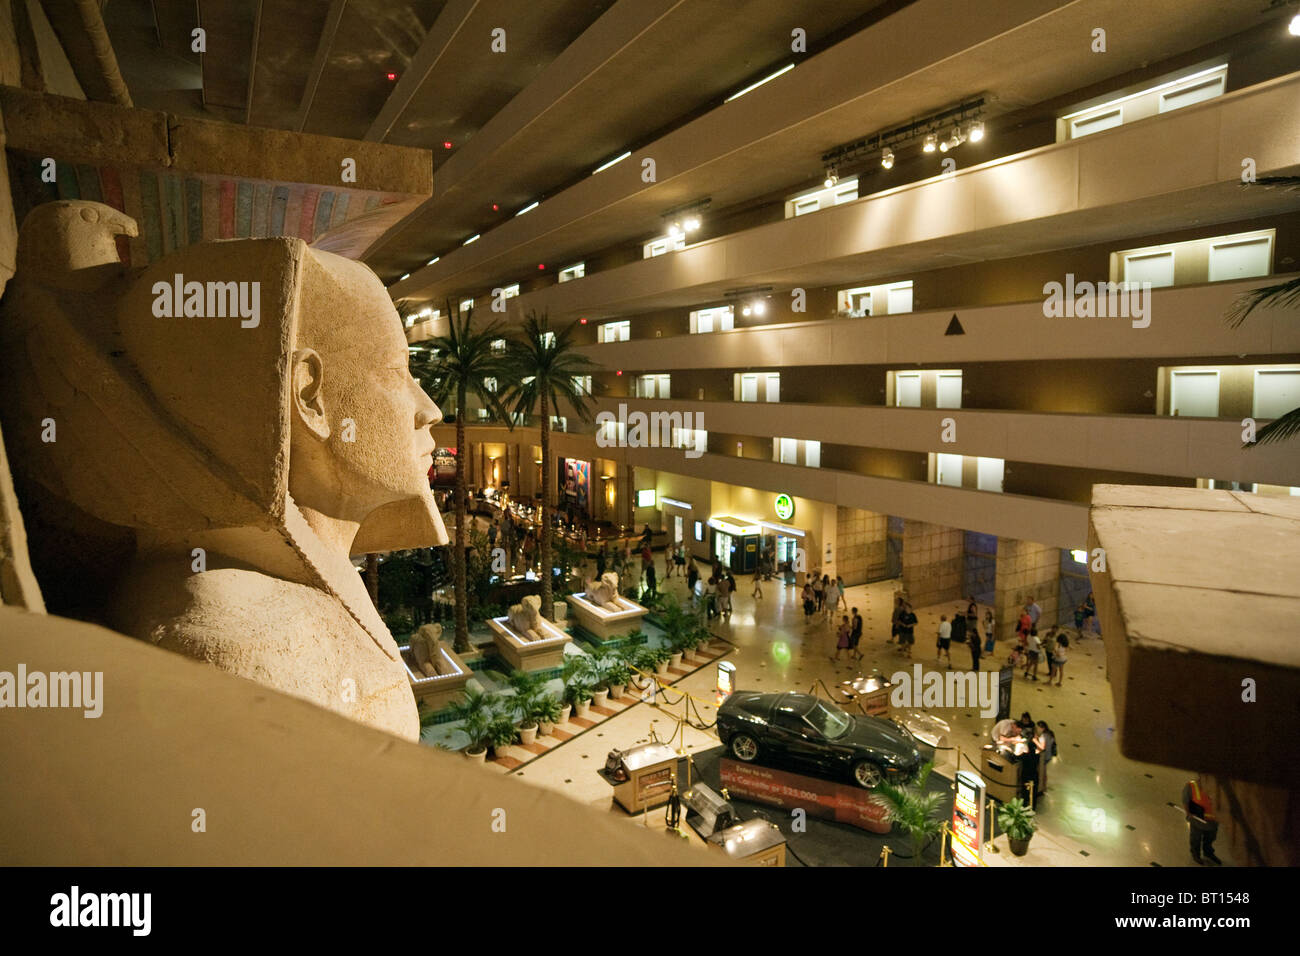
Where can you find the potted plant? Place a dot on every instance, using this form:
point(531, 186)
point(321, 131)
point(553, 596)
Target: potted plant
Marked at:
point(662, 659)
point(578, 683)
point(617, 673)
point(1017, 822)
point(528, 688)
point(501, 733)
point(475, 715)
point(913, 810)
point(548, 711)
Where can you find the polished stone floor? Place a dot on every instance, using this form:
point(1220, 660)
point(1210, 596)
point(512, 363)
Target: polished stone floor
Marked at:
point(1100, 808)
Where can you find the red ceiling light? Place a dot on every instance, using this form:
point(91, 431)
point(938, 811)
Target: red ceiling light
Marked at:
point(541, 265)
point(619, 372)
point(446, 144)
point(583, 321)
point(495, 207)
point(391, 77)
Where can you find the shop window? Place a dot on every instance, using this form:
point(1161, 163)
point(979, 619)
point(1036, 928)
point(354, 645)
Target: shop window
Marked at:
point(892, 298)
point(907, 389)
point(824, 198)
point(576, 271)
point(652, 386)
point(657, 247)
point(1161, 97)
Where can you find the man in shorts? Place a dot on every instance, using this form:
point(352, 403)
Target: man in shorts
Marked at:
point(855, 635)
point(906, 633)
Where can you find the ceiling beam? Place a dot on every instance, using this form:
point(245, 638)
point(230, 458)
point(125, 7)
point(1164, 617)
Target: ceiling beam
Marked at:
point(252, 63)
point(318, 61)
point(440, 36)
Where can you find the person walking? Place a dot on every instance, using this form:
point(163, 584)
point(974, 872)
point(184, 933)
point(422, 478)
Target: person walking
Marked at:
point(724, 595)
point(906, 633)
point(1033, 650)
point(809, 602)
point(990, 632)
point(819, 590)
point(855, 634)
point(945, 639)
point(1198, 808)
point(710, 597)
point(650, 579)
point(973, 642)
point(1049, 652)
point(670, 553)
point(1061, 654)
point(692, 577)
point(757, 593)
point(958, 629)
point(842, 637)
point(1045, 741)
point(839, 593)
point(893, 621)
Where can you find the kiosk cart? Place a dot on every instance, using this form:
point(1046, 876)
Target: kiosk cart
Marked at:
point(643, 777)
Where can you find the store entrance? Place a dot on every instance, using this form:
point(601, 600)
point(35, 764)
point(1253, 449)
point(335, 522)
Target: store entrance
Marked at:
point(723, 546)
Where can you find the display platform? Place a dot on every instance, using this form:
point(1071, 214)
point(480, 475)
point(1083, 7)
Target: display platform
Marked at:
point(842, 802)
point(540, 648)
point(614, 619)
point(438, 678)
point(824, 841)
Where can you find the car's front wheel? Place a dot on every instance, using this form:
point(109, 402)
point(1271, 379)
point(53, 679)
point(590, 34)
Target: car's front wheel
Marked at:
point(744, 747)
point(867, 775)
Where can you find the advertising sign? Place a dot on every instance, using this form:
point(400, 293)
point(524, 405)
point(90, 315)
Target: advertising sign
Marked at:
point(967, 819)
point(784, 506)
point(726, 680)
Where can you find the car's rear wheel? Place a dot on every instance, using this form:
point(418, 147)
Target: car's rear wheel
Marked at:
point(744, 747)
point(867, 775)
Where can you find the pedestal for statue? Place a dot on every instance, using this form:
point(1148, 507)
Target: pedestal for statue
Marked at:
point(437, 674)
point(604, 612)
point(841, 802)
point(526, 640)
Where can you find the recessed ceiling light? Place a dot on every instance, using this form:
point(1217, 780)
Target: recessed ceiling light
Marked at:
point(433, 260)
point(1294, 27)
point(529, 208)
point(470, 239)
point(604, 166)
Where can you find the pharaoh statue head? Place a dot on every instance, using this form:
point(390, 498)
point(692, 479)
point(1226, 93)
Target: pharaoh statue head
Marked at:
point(203, 443)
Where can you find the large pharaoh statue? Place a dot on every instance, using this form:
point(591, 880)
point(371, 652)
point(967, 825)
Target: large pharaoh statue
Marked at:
point(199, 447)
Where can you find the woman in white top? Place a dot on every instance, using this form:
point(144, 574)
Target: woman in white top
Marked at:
point(1062, 643)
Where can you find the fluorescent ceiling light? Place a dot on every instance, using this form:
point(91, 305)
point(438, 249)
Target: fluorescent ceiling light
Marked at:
point(767, 79)
point(470, 239)
point(529, 208)
point(405, 277)
point(616, 159)
point(433, 260)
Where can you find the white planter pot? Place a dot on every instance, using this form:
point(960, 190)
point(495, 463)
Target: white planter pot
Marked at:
point(600, 698)
point(499, 750)
point(662, 669)
point(544, 728)
point(527, 734)
point(675, 659)
point(476, 756)
point(565, 711)
point(582, 709)
point(616, 691)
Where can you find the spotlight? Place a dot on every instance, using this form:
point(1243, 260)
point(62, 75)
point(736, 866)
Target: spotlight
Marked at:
point(832, 177)
point(745, 311)
point(887, 158)
point(760, 308)
point(976, 132)
point(675, 230)
point(1294, 27)
point(931, 141)
point(943, 147)
point(692, 224)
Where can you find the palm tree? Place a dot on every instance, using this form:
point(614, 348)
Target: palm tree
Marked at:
point(459, 364)
point(544, 367)
point(1281, 295)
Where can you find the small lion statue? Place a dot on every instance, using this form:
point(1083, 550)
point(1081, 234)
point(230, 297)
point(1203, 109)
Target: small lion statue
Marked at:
point(526, 617)
point(604, 592)
point(424, 650)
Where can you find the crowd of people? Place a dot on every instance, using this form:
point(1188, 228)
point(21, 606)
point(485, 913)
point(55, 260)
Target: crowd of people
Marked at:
point(1031, 742)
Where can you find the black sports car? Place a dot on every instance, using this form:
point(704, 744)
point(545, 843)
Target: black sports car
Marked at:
point(810, 734)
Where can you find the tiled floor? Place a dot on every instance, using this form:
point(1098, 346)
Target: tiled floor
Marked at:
point(1100, 808)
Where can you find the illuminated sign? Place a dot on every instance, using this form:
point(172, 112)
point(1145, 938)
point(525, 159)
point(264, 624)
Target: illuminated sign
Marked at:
point(728, 525)
point(784, 507)
point(645, 498)
point(684, 505)
point(967, 819)
point(726, 680)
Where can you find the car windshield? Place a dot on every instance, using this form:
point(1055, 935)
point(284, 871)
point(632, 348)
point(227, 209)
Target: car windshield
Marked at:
point(831, 722)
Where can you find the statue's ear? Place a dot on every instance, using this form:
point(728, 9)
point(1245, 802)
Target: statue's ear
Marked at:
point(308, 376)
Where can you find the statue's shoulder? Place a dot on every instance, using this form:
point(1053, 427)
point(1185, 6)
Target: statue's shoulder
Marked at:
point(227, 615)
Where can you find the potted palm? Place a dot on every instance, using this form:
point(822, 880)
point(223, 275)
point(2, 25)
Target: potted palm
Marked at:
point(1017, 822)
point(577, 683)
point(547, 711)
point(474, 712)
point(617, 673)
point(528, 688)
point(501, 732)
point(913, 810)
